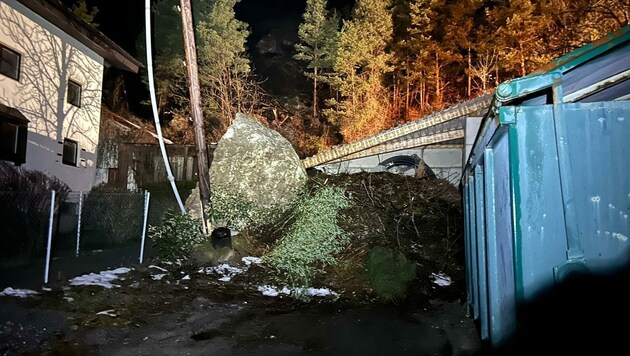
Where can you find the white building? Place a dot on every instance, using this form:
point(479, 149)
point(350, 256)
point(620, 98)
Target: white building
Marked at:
point(51, 77)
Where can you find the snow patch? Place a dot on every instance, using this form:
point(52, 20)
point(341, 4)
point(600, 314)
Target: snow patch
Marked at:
point(109, 312)
point(227, 272)
point(224, 270)
point(273, 291)
point(249, 260)
point(317, 292)
point(441, 279)
point(157, 277)
point(158, 267)
point(20, 293)
point(102, 279)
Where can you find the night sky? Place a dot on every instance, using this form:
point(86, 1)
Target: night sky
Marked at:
point(124, 26)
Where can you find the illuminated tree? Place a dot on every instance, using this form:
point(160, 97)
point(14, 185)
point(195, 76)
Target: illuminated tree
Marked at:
point(361, 64)
point(318, 36)
point(223, 67)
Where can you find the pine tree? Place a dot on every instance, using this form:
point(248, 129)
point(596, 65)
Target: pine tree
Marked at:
point(86, 13)
point(522, 32)
point(362, 61)
point(318, 36)
point(223, 67)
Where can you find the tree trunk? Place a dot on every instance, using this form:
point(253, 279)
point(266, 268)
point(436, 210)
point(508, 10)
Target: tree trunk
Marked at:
point(469, 74)
point(315, 121)
point(407, 99)
point(523, 71)
point(422, 94)
point(496, 74)
point(438, 84)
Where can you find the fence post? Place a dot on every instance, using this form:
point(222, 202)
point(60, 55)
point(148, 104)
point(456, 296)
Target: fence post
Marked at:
point(79, 222)
point(147, 197)
point(50, 225)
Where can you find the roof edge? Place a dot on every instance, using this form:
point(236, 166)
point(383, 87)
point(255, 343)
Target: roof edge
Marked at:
point(60, 16)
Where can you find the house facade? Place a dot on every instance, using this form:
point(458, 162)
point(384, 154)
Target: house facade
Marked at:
point(51, 77)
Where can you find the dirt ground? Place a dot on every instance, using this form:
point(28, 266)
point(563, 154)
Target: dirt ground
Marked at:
point(189, 310)
point(204, 316)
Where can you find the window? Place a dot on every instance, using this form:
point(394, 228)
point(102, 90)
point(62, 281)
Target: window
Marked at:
point(9, 62)
point(13, 133)
point(70, 155)
point(74, 93)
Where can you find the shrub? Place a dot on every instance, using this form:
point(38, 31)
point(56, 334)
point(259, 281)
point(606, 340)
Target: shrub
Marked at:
point(389, 271)
point(176, 237)
point(233, 210)
point(314, 238)
point(25, 200)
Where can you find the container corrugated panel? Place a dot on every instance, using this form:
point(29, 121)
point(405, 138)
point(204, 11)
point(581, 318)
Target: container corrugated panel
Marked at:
point(547, 187)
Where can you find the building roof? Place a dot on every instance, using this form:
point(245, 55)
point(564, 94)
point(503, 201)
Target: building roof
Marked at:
point(439, 127)
point(59, 15)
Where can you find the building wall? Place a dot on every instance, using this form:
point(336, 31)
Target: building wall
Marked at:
point(445, 162)
point(49, 58)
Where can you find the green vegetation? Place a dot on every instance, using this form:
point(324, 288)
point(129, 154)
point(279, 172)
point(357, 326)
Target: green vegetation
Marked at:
point(361, 64)
point(313, 240)
point(176, 237)
point(223, 67)
point(85, 12)
point(397, 60)
point(318, 35)
point(389, 272)
point(233, 210)
point(25, 198)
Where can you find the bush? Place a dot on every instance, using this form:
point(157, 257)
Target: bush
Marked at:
point(25, 198)
point(314, 238)
point(176, 237)
point(233, 210)
point(389, 271)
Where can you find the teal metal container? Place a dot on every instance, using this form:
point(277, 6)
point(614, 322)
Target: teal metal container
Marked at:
point(546, 189)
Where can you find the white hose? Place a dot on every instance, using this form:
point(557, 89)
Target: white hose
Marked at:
point(147, 12)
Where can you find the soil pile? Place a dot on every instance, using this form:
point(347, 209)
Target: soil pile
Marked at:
point(420, 219)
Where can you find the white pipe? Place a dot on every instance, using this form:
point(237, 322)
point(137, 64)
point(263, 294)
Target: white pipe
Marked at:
point(171, 179)
point(50, 225)
point(79, 223)
point(147, 197)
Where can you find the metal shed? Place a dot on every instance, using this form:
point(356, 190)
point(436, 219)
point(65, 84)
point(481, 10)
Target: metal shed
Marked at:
point(546, 188)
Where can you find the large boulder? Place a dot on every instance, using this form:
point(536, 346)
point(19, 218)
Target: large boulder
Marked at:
point(255, 174)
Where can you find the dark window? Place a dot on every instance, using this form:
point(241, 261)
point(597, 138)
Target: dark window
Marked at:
point(13, 134)
point(74, 93)
point(70, 155)
point(9, 62)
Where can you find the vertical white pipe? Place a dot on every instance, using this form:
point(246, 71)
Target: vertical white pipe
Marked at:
point(50, 225)
point(147, 197)
point(79, 222)
point(158, 130)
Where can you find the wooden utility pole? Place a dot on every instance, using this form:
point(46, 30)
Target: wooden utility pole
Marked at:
point(195, 103)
